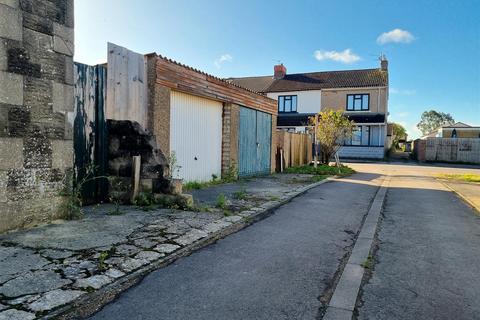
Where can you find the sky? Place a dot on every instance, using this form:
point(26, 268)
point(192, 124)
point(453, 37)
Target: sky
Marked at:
point(433, 47)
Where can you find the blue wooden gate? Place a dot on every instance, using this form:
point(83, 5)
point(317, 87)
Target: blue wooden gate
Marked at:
point(254, 142)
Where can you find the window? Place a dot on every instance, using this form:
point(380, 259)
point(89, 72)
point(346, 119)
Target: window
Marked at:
point(357, 136)
point(358, 102)
point(287, 104)
point(360, 137)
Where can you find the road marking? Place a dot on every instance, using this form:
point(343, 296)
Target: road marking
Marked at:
point(344, 297)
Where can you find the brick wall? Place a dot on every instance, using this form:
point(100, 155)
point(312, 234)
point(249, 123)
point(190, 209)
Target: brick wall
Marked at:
point(158, 108)
point(230, 127)
point(36, 93)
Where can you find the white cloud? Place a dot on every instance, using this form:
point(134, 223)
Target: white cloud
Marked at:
point(405, 92)
point(345, 56)
point(396, 36)
point(223, 58)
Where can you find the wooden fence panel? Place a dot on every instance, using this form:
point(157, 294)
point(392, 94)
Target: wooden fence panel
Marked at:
point(292, 149)
point(465, 150)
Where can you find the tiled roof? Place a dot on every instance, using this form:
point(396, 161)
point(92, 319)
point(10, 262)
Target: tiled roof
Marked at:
point(316, 80)
point(457, 125)
point(258, 84)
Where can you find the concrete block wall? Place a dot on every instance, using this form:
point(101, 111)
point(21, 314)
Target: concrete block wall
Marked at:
point(36, 93)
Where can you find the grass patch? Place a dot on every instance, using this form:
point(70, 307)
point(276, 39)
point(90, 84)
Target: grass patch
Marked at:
point(318, 177)
point(197, 185)
point(322, 170)
point(468, 177)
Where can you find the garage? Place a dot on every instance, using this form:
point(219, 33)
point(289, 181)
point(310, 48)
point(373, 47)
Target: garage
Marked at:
point(214, 127)
point(196, 136)
point(254, 142)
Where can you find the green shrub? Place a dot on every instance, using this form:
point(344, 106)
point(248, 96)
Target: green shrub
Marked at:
point(193, 185)
point(144, 199)
point(221, 201)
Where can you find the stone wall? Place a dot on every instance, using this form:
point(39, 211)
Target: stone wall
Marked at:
point(36, 93)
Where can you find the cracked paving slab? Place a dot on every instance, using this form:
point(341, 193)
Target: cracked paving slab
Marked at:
point(33, 282)
point(50, 265)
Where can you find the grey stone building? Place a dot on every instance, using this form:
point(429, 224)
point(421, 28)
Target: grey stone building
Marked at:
point(36, 95)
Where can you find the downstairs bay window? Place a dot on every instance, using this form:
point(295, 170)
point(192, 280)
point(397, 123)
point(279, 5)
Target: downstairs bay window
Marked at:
point(366, 136)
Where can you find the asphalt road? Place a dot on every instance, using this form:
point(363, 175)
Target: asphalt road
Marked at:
point(277, 268)
point(426, 265)
point(428, 261)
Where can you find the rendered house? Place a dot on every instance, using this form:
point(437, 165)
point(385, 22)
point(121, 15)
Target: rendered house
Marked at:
point(361, 94)
point(456, 130)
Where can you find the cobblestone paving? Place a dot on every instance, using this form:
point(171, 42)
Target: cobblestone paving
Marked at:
point(49, 266)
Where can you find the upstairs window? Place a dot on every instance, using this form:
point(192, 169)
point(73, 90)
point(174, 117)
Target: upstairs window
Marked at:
point(358, 102)
point(287, 104)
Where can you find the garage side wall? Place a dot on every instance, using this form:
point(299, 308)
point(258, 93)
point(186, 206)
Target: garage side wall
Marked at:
point(158, 114)
point(231, 113)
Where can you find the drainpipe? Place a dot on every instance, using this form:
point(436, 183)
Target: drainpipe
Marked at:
point(378, 101)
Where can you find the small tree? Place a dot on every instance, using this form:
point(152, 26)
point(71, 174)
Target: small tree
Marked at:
point(398, 133)
point(332, 129)
point(432, 120)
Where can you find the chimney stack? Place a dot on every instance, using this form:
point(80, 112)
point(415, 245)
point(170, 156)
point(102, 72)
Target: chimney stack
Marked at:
point(279, 71)
point(383, 63)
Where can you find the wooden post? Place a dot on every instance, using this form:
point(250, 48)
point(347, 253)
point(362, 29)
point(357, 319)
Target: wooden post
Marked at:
point(136, 163)
point(281, 160)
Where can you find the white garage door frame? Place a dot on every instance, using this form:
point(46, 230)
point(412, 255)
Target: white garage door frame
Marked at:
point(196, 136)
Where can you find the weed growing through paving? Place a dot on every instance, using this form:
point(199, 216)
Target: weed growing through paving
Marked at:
point(241, 194)
point(117, 193)
point(368, 264)
point(72, 191)
point(221, 201)
point(104, 255)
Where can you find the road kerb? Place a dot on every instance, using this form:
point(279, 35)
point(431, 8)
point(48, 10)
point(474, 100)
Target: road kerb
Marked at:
point(464, 197)
point(87, 304)
point(345, 295)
